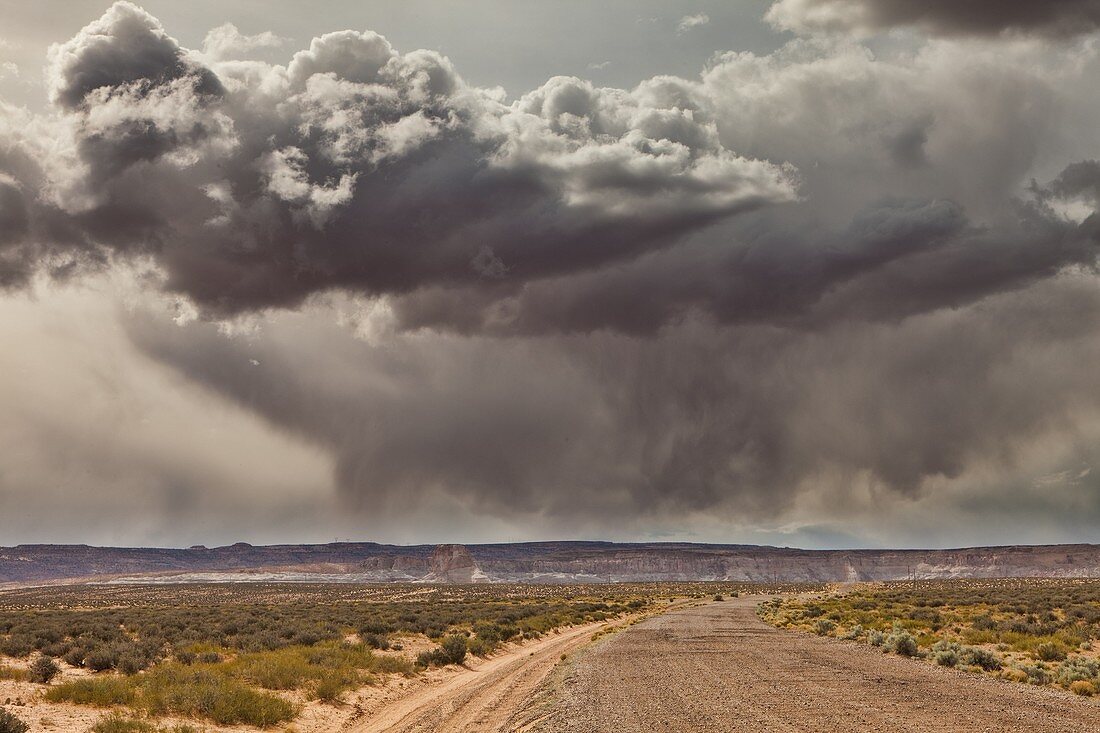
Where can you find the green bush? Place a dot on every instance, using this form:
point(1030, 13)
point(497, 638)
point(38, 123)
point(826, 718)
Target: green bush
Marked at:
point(11, 724)
point(478, 647)
point(1050, 651)
point(1078, 668)
point(454, 648)
point(824, 627)
point(977, 657)
point(946, 653)
point(901, 642)
point(331, 685)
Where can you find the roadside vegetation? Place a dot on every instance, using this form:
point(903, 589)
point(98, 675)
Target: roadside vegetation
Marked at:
point(254, 654)
point(1041, 632)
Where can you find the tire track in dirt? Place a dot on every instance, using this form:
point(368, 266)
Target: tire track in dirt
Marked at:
point(481, 699)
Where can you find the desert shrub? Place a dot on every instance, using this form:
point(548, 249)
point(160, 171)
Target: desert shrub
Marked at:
point(718, 597)
point(330, 688)
point(945, 653)
point(824, 627)
point(978, 657)
point(207, 693)
point(132, 663)
point(876, 637)
point(17, 645)
point(56, 649)
point(1050, 651)
point(284, 669)
point(853, 633)
point(1083, 687)
point(75, 656)
point(115, 723)
point(495, 633)
point(101, 659)
point(452, 650)
point(478, 647)
point(11, 724)
point(374, 641)
point(42, 670)
point(210, 657)
point(98, 691)
point(1078, 668)
point(983, 622)
point(1036, 674)
point(454, 647)
point(330, 667)
point(185, 656)
point(377, 627)
point(901, 642)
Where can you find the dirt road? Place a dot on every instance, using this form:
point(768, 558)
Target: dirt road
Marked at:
point(481, 699)
point(719, 668)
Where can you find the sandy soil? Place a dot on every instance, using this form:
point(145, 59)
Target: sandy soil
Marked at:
point(719, 668)
point(483, 696)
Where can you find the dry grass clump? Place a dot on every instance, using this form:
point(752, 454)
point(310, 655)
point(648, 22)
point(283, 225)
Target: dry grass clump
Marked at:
point(16, 674)
point(327, 669)
point(223, 692)
point(204, 692)
point(116, 723)
point(1083, 687)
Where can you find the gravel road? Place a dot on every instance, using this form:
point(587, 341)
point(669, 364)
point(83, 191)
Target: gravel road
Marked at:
point(719, 668)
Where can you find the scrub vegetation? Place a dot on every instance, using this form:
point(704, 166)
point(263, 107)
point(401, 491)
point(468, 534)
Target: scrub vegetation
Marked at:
point(1037, 631)
point(254, 654)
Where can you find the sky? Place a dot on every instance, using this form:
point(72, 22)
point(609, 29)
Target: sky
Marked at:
point(816, 273)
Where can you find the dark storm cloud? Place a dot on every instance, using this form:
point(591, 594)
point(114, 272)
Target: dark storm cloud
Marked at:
point(1078, 180)
point(356, 167)
point(948, 17)
point(895, 259)
point(746, 420)
point(780, 287)
point(361, 169)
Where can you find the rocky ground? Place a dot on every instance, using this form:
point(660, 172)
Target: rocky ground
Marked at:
point(719, 668)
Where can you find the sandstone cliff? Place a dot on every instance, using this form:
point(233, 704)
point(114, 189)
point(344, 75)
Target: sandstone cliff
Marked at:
point(538, 562)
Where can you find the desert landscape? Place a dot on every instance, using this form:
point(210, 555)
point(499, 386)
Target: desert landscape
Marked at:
point(504, 366)
point(943, 655)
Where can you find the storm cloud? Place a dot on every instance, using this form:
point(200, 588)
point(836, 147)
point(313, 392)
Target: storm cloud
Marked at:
point(948, 17)
point(357, 167)
point(812, 287)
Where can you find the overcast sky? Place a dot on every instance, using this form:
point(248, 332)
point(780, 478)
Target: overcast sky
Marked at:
point(803, 272)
